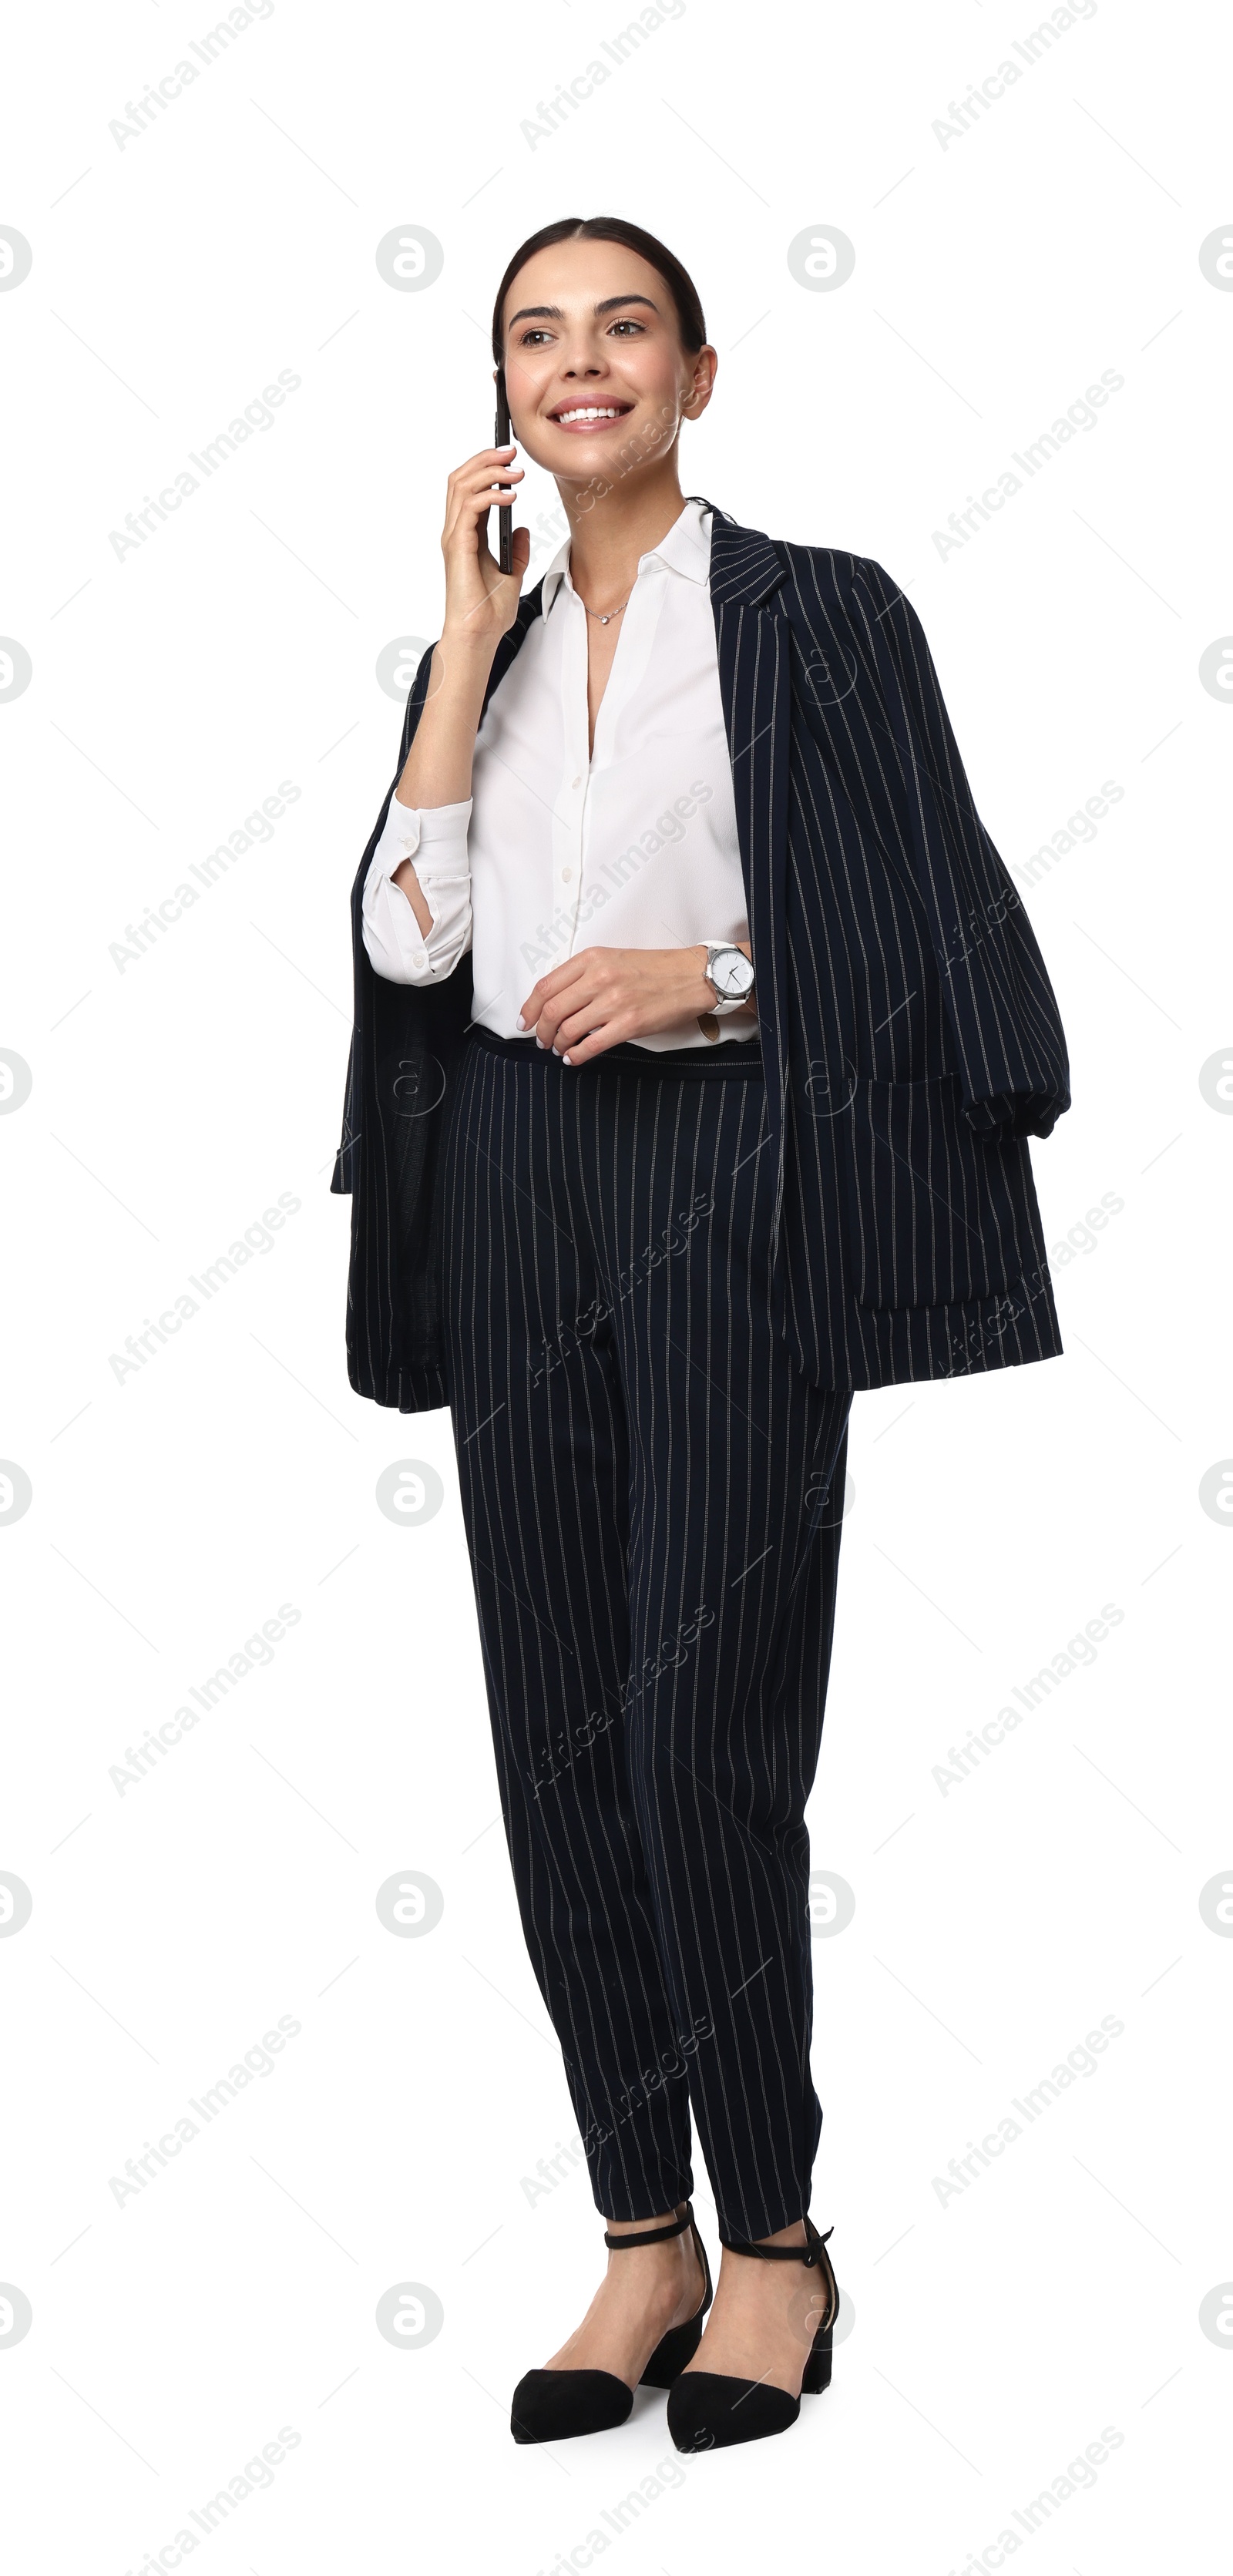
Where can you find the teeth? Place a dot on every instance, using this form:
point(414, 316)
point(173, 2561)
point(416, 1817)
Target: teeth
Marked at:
point(589, 411)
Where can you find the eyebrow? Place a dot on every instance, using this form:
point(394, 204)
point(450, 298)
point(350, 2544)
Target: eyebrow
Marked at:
point(553, 312)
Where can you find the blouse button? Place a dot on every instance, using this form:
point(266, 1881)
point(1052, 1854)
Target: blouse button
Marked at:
point(567, 873)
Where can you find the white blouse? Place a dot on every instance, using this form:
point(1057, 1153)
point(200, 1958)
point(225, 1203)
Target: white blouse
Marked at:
point(557, 849)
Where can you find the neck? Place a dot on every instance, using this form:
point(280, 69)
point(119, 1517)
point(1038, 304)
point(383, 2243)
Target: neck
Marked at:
point(608, 534)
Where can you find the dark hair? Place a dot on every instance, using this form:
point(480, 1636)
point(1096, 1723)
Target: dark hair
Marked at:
point(611, 228)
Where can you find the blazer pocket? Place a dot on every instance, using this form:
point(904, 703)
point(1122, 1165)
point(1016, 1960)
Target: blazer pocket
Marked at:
point(932, 1204)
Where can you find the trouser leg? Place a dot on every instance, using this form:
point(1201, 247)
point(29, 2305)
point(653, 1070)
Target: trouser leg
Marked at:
point(737, 1469)
point(543, 1462)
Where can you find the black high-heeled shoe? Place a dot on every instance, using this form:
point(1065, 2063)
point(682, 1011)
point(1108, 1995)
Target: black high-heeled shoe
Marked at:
point(550, 2405)
point(708, 2410)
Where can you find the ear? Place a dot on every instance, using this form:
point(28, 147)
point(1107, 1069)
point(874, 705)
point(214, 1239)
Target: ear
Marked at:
point(700, 394)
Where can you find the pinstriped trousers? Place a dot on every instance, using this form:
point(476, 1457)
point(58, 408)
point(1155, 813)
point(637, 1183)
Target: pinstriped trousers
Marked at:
point(652, 1497)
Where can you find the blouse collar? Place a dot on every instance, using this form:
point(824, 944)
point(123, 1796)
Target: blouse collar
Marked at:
point(686, 549)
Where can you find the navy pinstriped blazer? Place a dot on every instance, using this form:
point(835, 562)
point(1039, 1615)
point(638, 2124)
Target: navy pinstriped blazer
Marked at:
point(910, 1034)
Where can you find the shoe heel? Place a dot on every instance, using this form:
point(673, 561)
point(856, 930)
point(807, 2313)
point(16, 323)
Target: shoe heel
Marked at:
point(672, 2352)
point(818, 2367)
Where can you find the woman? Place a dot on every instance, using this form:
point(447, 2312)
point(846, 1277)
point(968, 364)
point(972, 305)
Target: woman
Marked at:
point(699, 1034)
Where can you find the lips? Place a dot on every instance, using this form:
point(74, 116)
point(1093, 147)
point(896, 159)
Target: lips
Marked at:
point(584, 419)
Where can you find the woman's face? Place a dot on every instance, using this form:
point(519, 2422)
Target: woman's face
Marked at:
point(592, 329)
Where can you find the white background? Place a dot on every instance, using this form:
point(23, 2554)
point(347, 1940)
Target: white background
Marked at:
point(997, 2333)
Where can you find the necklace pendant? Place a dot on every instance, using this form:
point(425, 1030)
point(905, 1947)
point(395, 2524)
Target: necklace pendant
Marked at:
point(604, 620)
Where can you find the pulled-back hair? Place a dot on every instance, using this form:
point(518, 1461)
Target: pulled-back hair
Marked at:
point(611, 228)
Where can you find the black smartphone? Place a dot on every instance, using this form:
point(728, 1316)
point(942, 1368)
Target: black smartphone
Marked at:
point(505, 542)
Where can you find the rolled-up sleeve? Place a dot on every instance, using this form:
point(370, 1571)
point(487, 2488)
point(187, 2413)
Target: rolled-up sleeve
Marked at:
point(434, 838)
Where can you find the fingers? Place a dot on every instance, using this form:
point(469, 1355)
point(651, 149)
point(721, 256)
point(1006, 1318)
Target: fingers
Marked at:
point(482, 456)
point(480, 473)
point(592, 1020)
point(490, 464)
point(466, 506)
point(557, 980)
point(566, 1024)
point(602, 996)
point(592, 962)
point(472, 494)
point(550, 990)
point(597, 1043)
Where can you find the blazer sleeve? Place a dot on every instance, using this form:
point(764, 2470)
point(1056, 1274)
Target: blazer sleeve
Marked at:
point(344, 1180)
point(1003, 1012)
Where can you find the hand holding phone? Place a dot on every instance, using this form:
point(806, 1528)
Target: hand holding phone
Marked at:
point(479, 607)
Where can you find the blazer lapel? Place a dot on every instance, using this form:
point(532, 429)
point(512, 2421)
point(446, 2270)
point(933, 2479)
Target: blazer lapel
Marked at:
point(752, 636)
point(512, 641)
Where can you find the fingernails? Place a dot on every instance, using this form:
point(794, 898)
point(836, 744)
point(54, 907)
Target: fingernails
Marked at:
point(520, 1023)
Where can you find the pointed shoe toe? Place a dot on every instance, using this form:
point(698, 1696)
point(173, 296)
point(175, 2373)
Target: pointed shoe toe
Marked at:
point(552, 2405)
point(708, 2411)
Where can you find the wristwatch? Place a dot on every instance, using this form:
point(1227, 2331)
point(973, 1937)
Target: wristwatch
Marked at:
point(731, 973)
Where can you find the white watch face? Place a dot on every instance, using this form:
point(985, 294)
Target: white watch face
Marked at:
point(731, 974)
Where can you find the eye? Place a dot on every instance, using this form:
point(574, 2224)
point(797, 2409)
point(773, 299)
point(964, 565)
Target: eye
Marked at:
point(629, 325)
point(529, 338)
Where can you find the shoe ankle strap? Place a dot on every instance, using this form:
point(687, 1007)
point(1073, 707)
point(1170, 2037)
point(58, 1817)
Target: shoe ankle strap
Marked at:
point(809, 2253)
point(652, 2235)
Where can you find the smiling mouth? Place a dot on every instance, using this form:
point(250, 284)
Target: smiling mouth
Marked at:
point(585, 416)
